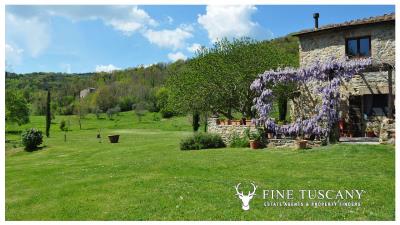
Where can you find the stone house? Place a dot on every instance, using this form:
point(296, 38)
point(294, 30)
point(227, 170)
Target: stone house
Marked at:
point(83, 93)
point(368, 99)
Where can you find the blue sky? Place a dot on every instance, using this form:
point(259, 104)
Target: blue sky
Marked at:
point(104, 38)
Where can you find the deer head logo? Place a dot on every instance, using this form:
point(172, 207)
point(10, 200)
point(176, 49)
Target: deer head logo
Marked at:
point(245, 198)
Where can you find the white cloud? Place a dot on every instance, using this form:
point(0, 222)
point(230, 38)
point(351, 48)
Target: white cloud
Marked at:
point(127, 19)
point(31, 33)
point(174, 39)
point(177, 56)
point(170, 20)
point(194, 47)
point(13, 55)
point(228, 21)
point(106, 68)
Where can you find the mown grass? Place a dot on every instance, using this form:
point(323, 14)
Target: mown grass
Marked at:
point(147, 177)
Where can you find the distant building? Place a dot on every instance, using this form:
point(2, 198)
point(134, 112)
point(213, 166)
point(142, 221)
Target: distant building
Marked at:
point(86, 91)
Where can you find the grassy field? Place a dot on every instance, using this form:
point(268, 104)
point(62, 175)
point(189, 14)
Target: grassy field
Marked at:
point(147, 177)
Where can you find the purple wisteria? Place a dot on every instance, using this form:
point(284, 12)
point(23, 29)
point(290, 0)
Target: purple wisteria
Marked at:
point(330, 74)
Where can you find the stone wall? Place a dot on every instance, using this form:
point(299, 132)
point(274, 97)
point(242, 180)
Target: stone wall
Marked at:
point(227, 132)
point(326, 44)
point(387, 132)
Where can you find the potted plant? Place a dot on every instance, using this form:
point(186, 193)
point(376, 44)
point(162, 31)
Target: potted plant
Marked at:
point(301, 144)
point(113, 138)
point(255, 140)
point(350, 134)
point(369, 132)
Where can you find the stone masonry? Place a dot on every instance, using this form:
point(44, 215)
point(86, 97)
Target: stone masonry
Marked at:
point(320, 46)
point(227, 132)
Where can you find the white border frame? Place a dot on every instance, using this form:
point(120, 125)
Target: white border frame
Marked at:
point(182, 2)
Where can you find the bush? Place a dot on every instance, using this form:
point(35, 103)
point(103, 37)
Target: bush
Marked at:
point(63, 125)
point(125, 103)
point(110, 112)
point(239, 142)
point(31, 139)
point(202, 141)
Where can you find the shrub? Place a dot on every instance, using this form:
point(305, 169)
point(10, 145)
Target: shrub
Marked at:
point(63, 125)
point(202, 141)
point(125, 103)
point(97, 112)
point(31, 139)
point(110, 112)
point(239, 142)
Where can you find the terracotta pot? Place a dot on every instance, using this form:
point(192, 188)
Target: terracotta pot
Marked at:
point(301, 144)
point(370, 134)
point(270, 135)
point(253, 144)
point(113, 138)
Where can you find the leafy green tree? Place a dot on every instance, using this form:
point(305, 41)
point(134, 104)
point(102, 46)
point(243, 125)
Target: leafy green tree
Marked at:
point(162, 103)
point(104, 98)
point(217, 80)
point(17, 110)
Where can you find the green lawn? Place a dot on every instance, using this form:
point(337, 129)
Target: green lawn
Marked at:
point(147, 177)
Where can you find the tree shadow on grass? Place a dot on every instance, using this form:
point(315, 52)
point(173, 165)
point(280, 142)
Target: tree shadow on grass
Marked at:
point(36, 149)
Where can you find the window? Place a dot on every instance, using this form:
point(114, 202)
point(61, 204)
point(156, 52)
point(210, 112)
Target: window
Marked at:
point(376, 104)
point(358, 47)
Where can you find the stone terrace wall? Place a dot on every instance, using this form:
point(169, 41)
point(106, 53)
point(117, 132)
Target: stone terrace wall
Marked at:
point(387, 132)
point(227, 132)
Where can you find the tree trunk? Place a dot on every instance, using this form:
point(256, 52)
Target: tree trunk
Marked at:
point(205, 122)
point(48, 114)
point(196, 121)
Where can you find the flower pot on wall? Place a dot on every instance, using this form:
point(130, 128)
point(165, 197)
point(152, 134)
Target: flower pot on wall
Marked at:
point(113, 138)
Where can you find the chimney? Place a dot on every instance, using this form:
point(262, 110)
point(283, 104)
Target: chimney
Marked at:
point(316, 16)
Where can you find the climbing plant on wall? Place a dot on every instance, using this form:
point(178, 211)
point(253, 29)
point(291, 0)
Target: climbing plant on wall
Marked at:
point(329, 74)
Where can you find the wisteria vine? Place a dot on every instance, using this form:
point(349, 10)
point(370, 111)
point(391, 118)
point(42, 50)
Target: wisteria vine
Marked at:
point(331, 73)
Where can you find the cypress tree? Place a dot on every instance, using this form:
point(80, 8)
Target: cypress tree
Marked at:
point(48, 114)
